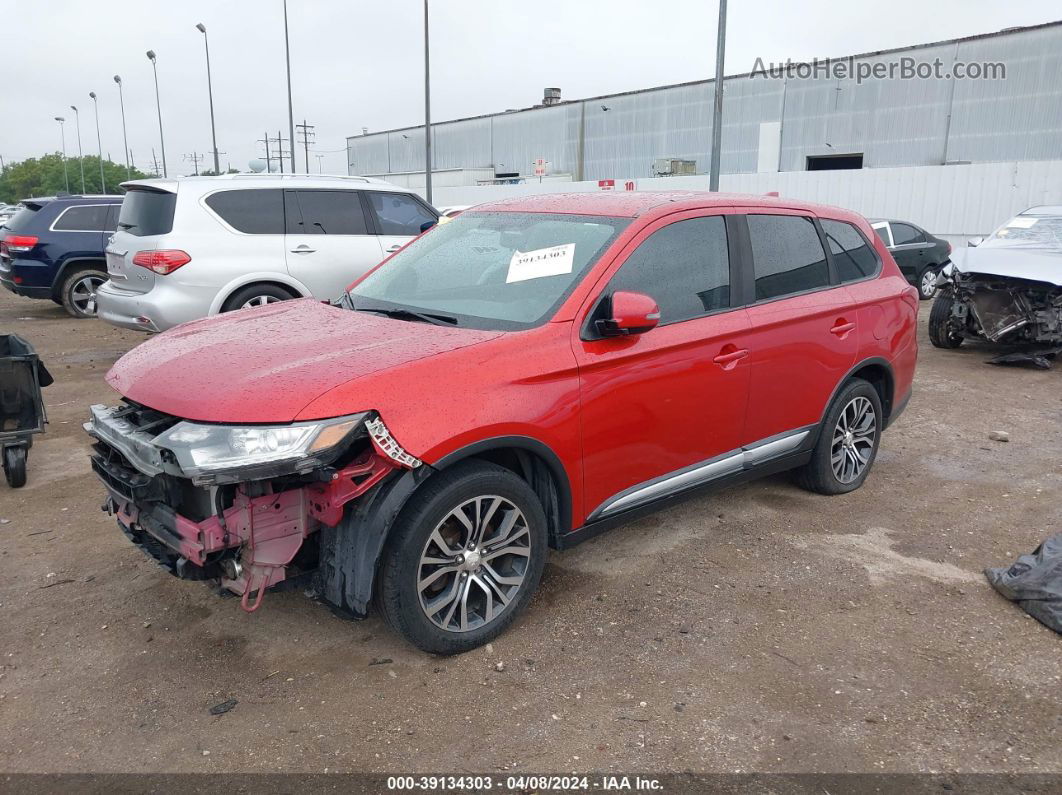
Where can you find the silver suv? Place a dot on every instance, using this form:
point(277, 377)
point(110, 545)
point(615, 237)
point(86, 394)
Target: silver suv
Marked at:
point(196, 246)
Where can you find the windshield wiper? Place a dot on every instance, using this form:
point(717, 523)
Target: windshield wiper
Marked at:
point(408, 314)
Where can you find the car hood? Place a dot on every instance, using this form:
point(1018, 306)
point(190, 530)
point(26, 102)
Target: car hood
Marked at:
point(266, 364)
point(1040, 265)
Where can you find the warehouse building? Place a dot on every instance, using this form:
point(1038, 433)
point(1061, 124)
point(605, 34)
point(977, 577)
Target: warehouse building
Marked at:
point(808, 118)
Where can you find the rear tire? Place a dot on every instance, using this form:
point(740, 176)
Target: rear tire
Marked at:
point(444, 589)
point(941, 333)
point(848, 442)
point(78, 292)
point(927, 282)
point(256, 295)
point(15, 466)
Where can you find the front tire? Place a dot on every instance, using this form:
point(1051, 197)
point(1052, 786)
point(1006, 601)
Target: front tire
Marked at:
point(464, 558)
point(848, 442)
point(256, 295)
point(78, 292)
point(15, 466)
point(941, 333)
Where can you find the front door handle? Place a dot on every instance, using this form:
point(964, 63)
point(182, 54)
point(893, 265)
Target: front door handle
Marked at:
point(730, 357)
point(841, 328)
point(303, 249)
point(394, 248)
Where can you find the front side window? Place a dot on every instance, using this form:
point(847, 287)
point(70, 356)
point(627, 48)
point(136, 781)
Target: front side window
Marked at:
point(84, 218)
point(325, 212)
point(787, 255)
point(252, 211)
point(399, 213)
point(684, 267)
point(490, 270)
point(903, 234)
point(852, 255)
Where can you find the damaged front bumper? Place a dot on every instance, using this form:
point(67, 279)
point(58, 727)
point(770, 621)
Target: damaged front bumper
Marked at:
point(1002, 309)
point(248, 535)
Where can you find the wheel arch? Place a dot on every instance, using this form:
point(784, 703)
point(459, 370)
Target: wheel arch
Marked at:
point(878, 372)
point(68, 266)
point(533, 461)
point(275, 279)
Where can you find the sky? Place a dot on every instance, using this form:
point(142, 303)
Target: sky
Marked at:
point(359, 63)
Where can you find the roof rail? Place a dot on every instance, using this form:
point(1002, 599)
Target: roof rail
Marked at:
point(347, 177)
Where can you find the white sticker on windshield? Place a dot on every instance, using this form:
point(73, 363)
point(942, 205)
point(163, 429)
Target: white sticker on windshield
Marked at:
point(1022, 223)
point(552, 261)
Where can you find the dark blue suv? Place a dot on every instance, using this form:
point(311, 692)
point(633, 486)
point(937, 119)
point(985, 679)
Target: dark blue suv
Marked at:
point(53, 248)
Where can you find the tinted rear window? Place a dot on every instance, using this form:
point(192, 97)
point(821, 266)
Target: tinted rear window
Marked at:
point(22, 219)
point(852, 255)
point(255, 212)
point(83, 218)
point(147, 212)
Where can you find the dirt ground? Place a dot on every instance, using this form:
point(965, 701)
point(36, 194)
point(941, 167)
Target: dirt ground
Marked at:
point(760, 629)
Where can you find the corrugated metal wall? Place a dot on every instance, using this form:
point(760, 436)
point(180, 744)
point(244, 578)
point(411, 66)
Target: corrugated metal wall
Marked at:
point(956, 202)
point(893, 122)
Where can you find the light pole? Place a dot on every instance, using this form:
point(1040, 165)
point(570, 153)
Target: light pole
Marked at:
point(158, 106)
point(291, 114)
point(62, 137)
point(427, 111)
point(99, 142)
point(125, 139)
point(80, 154)
point(210, 92)
point(717, 111)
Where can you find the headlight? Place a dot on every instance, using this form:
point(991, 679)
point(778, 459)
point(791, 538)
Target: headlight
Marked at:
point(207, 453)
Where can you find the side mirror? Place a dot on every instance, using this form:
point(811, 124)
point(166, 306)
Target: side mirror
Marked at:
point(632, 313)
point(424, 227)
point(974, 242)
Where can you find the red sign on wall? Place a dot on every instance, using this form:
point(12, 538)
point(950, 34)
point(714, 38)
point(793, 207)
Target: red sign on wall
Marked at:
point(606, 184)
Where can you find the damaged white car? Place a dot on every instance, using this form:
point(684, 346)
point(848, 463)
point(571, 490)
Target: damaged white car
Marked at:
point(1007, 290)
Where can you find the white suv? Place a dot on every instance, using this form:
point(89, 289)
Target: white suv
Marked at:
point(191, 247)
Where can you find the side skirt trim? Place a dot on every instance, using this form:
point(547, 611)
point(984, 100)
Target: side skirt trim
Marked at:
point(749, 457)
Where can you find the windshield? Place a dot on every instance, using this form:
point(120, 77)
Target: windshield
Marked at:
point(1028, 231)
point(490, 270)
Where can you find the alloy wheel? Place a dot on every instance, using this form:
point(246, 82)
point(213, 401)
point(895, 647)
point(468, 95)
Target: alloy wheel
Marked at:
point(928, 285)
point(259, 300)
point(473, 564)
point(853, 439)
point(83, 294)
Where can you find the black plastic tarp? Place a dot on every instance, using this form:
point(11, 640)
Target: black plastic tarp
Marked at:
point(1035, 582)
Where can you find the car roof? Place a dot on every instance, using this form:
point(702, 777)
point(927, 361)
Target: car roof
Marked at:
point(208, 184)
point(635, 204)
point(893, 221)
point(1044, 209)
point(80, 197)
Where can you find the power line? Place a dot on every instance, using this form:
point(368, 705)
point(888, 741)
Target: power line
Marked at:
point(195, 157)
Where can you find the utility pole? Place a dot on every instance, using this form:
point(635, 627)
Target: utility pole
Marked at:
point(195, 157)
point(291, 116)
point(717, 111)
point(155, 160)
point(427, 111)
point(280, 152)
point(320, 159)
point(307, 131)
point(269, 161)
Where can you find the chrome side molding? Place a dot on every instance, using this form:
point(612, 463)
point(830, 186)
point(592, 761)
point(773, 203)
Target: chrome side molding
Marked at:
point(748, 457)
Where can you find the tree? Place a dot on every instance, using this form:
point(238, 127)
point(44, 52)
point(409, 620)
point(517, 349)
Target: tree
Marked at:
point(43, 176)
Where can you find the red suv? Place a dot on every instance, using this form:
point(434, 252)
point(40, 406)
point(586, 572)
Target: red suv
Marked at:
point(523, 377)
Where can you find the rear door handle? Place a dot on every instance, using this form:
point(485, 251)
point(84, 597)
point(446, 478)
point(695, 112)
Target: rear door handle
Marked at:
point(304, 249)
point(730, 359)
point(841, 329)
point(394, 248)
